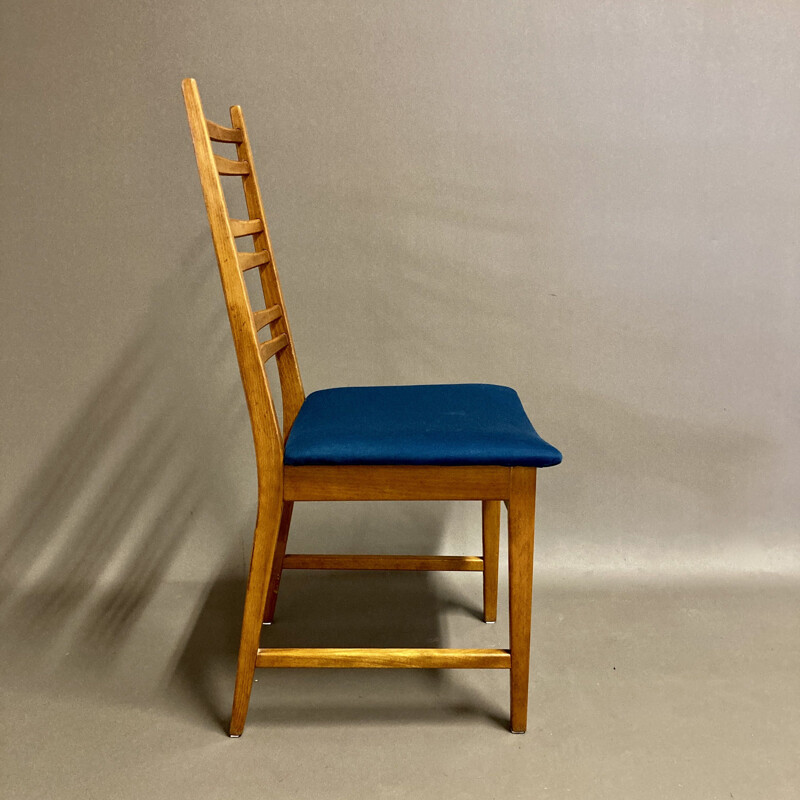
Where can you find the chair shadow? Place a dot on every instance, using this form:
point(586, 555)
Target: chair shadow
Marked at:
point(93, 534)
point(326, 609)
point(92, 537)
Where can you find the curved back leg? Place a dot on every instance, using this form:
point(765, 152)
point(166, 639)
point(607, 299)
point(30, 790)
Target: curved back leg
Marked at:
point(265, 540)
point(491, 557)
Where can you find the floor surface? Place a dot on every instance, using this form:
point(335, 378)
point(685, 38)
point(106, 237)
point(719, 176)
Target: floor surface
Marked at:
point(690, 690)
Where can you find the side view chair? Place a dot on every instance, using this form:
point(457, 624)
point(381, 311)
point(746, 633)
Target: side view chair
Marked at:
point(455, 442)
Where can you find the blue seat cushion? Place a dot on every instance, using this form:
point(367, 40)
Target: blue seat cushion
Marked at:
point(457, 424)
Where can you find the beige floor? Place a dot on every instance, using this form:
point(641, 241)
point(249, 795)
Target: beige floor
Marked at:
point(690, 690)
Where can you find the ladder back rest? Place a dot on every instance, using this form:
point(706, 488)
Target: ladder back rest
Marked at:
point(246, 323)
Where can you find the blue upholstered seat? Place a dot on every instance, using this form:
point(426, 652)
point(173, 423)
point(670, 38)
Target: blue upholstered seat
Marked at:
point(457, 424)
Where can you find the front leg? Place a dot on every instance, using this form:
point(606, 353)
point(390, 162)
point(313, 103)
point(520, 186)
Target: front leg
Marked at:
point(521, 507)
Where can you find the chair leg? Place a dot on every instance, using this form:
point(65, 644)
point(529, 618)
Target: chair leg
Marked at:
point(264, 543)
point(277, 562)
point(521, 509)
point(491, 557)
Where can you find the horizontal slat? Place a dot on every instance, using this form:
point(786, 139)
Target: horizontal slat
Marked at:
point(385, 482)
point(269, 348)
point(227, 167)
point(219, 133)
point(420, 658)
point(417, 563)
point(264, 317)
point(246, 227)
point(250, 260)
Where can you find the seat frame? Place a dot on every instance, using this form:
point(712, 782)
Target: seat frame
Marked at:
point(280, 486)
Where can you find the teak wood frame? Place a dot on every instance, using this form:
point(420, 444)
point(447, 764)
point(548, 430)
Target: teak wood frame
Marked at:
point(279, 486)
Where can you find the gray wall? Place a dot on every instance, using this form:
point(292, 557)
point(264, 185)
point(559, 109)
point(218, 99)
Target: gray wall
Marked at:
point(596, 203)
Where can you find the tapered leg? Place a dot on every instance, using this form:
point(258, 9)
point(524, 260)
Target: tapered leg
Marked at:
point(491, 556)
point(521, 508)
point(277, 562)
point(264, 542)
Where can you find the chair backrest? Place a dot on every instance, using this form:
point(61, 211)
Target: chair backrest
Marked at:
point(246, 323)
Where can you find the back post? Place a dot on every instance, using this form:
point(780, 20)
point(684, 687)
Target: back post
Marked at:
point(292, 394)
point(246, 323)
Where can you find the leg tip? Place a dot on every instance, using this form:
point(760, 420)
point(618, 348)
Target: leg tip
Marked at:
point(267, 623)
point(513, 731)
point(234, 735)
point(490, 621)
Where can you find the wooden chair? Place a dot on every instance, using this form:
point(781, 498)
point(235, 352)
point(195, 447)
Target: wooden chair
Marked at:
point(461, 442)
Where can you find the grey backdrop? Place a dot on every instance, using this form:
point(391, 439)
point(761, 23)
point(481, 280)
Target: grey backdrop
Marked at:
point(595, 203)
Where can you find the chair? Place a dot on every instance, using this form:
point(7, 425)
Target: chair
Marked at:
point(457, 442)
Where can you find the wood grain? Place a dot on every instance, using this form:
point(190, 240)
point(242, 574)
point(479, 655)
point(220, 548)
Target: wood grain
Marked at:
point(219, 133)
point(266, 432)
point(277, 564)
point(292, 393)
point(246, 227)
point(522, 504)
point(272, 346)
point(491, 557)
point(225, 166)
point(387, 482)
point(368, 562)
point(250, 260)
point(263, 317)
point(386, 658)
